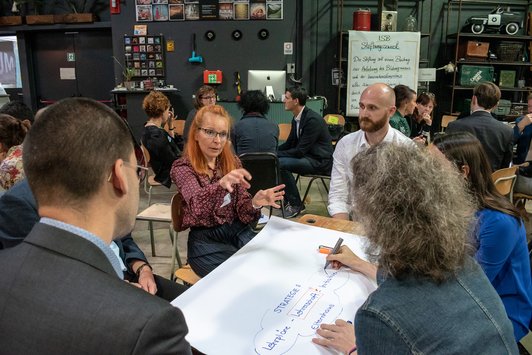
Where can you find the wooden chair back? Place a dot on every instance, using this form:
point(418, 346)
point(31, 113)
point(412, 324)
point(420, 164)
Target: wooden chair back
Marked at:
point(284, 131)
point(179, 127)
point(177, 212)
point(146, 155)
point(445, 120)
point(504, 180)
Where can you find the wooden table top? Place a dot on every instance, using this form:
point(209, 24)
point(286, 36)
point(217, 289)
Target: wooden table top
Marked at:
point(332, 223)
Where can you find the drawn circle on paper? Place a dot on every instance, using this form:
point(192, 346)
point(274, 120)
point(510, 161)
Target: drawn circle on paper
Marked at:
point(263, 34)
point(237, 35)
point(210, 35)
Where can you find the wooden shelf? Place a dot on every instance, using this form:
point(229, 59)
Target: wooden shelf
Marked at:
point(56, 27)
point(493, 62)
point(490, 35)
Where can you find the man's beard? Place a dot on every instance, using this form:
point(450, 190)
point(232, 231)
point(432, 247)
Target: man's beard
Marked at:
point(369, 126)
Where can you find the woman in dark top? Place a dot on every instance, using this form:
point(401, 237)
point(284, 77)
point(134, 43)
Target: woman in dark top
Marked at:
point(205, 96)
point(254, 133)
point(162, 146)
point(421, 119)
point(216, 204)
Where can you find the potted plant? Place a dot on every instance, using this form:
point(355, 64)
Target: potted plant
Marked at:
point(128, 74)
point(78, 11)
point(10, 14)
point(36, 7)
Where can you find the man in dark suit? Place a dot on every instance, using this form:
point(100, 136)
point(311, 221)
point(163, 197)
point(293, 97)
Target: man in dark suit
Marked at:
point(61, 289)
point(308, 149)
point(18, 215)
point(495, 136)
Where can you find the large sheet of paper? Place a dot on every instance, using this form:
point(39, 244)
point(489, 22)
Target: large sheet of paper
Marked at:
point(380, 57)
point(272, 295)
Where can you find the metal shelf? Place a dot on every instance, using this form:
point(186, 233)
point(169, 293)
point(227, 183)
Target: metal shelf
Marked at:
point(487, 62)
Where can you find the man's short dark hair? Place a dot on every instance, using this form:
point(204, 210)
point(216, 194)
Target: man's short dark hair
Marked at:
point(70, 150)
point(19, 110)
point(254, 101)
point(299, 93)
point(488, 95)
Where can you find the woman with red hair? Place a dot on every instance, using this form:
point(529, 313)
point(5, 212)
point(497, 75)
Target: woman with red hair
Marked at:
point(216, 204)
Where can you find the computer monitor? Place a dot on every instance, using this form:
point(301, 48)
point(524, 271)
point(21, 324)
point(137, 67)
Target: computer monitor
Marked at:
point(270, 82)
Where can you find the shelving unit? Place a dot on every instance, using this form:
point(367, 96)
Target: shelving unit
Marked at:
point(455, 37)
point(424, 26)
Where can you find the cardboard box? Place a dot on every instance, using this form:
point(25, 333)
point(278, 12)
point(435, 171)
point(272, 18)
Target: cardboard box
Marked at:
point(471, 75)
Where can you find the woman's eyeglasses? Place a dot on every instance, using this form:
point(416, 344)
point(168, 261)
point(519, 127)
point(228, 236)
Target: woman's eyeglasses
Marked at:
point(208, 98)
point(211, 133)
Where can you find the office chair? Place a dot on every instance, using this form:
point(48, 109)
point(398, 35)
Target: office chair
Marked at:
point(264, 168)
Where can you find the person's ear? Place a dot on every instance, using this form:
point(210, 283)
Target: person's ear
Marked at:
point(465, 170)
point(118, 177)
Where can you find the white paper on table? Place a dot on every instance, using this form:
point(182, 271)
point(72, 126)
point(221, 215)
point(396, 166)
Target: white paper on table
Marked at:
point(272, 295)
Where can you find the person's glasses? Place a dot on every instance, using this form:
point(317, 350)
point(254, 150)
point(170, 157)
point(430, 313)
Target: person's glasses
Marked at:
point(211, 133)
point(208, 98)
point(141, 171)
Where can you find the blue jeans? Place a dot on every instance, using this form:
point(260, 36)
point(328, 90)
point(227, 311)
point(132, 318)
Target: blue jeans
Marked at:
point(288, 166)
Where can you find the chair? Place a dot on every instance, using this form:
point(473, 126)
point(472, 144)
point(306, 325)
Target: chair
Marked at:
point(284, 131)
point(149, 182)
point(445, 120)
point(184, 273)
point(158, 212)
point(504, 180)
point(312, 178)
point(264, 168)
point(336, 125)
point(179, 127)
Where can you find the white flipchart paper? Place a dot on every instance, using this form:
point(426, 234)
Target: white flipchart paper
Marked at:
point(272, 295)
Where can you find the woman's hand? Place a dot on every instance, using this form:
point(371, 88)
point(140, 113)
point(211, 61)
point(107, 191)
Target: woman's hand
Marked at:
point(427, 119)
point(339, 336)
point(237, 176)
point(346, 257)
point(268, 197)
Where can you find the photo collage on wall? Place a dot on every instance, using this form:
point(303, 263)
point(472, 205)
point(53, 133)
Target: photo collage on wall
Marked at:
point(194, 10)
point(145, 54)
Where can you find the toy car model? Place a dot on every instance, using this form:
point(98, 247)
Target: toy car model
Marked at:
point(499, 20)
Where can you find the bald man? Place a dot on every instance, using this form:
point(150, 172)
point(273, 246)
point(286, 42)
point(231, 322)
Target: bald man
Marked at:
point(377, 105)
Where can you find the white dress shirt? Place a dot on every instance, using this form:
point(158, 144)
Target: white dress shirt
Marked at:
point(342, 174)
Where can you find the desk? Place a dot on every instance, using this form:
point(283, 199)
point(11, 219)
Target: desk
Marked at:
point(340, 225)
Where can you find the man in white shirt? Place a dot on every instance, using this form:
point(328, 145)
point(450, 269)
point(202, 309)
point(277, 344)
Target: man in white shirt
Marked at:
point(377, 105)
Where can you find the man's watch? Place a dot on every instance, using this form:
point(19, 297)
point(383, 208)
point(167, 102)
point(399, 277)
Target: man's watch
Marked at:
point(139, 270)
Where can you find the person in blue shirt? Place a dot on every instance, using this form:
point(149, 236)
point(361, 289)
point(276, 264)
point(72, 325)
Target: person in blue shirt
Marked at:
point(522, 137)
point(499, 235)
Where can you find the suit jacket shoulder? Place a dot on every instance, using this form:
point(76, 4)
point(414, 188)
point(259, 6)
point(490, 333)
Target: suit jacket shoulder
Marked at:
point(65, 287)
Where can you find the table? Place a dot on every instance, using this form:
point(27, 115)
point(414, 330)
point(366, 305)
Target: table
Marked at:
point(272, 295)
point(341, 225)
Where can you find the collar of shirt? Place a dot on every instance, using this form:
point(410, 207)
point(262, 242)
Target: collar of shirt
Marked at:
point(298, 117)
point(387, 138)
point(106, 249)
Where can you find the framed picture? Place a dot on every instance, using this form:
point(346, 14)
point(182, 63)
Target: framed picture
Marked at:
point(177, 12)
point(160, 12)
point(144, 13)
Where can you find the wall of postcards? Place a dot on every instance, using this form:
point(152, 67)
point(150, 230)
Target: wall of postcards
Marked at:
point(193, 10)
point(145, 54)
